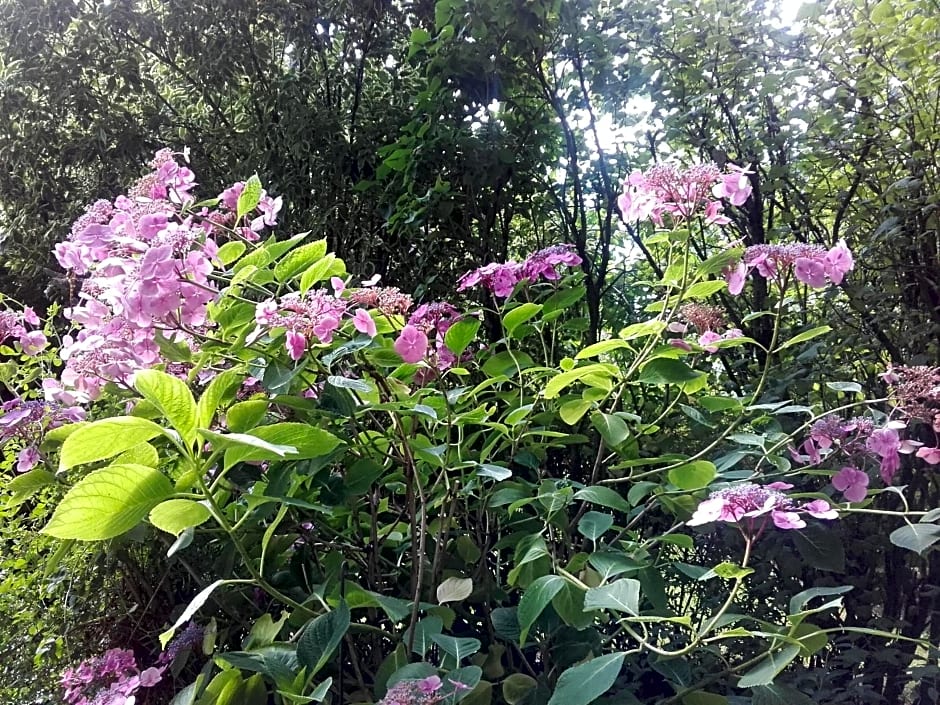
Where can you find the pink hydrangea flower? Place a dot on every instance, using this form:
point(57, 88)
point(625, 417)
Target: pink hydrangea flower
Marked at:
point(852, 483)
point(363, 322)
point(411, 344)
point(750, 505)
point(930, 455)
point(885, 443)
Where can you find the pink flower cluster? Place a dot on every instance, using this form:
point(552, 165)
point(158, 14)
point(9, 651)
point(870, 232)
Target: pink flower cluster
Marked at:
point(811, 264)
point(706, 319)
point(682, 194)
point(433, 320)
point(26, 423)
point(268, 209)
point(501, 278)
point(750, 506)
point(109, 679)
point(414, 692)
point(14, 325)
point(146, 268)
point(858, 441)
point(314, 315)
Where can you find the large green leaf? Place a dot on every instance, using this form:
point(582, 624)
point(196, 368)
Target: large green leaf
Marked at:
point(621, 595)
point(108, 502)
point(915, 537)
point(172, 397)
point(535, 600)
point(461, 334)
point(604, 496)
point(321, 637)
point(308, 442)
point(458, 647)
point(222, 385)
point(296, 261)
point(104, 439)
point(175, 515)
point(694, 475)
point(585, 683)
point(768, 668)
point(664, 370)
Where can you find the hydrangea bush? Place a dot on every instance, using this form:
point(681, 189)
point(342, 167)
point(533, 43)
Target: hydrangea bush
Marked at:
point(413, 513)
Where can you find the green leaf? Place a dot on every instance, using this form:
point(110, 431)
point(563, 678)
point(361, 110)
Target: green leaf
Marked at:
point(621, 595)
point(731, 571)
point(572, 411)
point(535, 600)
point(104, 439)
point(108, 502)
point(585, 683)
point(613, 428)
point(245, 415)
point(423, 631)
point(821, 547)
point(141, 454)
point(308, 442)
point(519, 315)
point(917, 537)
point(694, 475)
point(296, 261)
point(798, 601)
point(468, 676)
point(221, 387)
point(25, 486)
point(768, 668)
point(198, 601)
point(461, 334)
point(454, 590)
point(594, 524)
point(778, 695)
point(507, 362)
point(804, 336)
point(230, 251)
point(277, 661)
point(644, 329)
point(604, 346)
point(664, 370)
point(249, 198)
point(320, 638)
point(517, 686)
point(593, 375)
point(175, 515)
point(846, 387)
point(318, 271)
point(172, 397)
point(702, 290)
point(459, 648)
point(604, 496)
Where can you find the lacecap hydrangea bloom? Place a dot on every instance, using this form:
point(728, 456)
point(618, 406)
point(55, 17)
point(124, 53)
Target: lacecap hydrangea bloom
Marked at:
point(684, 193)
point(501, 278)
point(750, 506)
point(811, 264)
